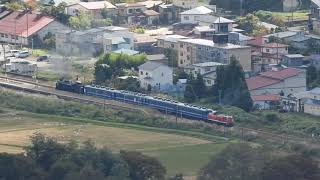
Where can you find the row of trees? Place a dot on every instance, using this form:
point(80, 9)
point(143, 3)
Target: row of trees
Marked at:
point(46, 159)
point(230, 87)
point(245, 162)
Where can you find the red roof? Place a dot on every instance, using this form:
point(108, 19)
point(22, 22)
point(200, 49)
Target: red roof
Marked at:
point(258, 41)
point(269, 97)
point(275, 45)
point(23, 24)
point(281, 74)
point(271, 77)
point(259, 81)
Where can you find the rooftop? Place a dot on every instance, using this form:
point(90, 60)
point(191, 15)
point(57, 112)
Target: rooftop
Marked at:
point(150, 65)
point(275, 45)
point(315, 91)
point(204, 42)
point(150, 4)
point(201, 10)
point(172, 38)
point(271, 77)
point(266, 97)
point(317, 2)
point(97, 5)
point(16, 23)
point(204, 29)
point(126, 51)
point(294, 56)
point(208, 64)
point(156, 57)
point(282, 34)
point(151, 13)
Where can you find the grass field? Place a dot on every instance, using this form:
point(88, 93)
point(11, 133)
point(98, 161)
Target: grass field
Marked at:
point(180, 154)
point(298, 15)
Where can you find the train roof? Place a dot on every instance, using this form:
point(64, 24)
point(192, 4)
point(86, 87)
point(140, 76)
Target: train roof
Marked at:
point(152, 97)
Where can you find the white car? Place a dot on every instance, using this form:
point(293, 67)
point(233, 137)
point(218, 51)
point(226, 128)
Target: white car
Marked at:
point(22, 54)
point(11, 53)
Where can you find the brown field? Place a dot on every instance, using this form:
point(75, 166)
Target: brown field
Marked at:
point(178, 153)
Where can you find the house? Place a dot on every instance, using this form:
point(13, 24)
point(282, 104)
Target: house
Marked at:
point(278, 81)
point(265, 102)
point(131, 13)
point(195, 15)
point(207, 70)
point(151, 5)
point(311, 102)
point(21, 66)
point(152, 17)
point(266, 53)
point(170, 41)
point(94, 8)
point(27, 28)
point(146, 43)
point(185, 4)
point(192, 51)
point(93, 41)
point(168, 13)
point(156, 76)
point(293, 60)
point(238, 38)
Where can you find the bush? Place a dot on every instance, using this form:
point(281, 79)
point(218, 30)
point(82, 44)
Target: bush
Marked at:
point(272, 117)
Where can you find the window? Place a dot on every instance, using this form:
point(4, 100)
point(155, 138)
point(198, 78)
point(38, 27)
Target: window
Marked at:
point(172, 45)
point(181, 62)
point(207, 69)
point(267, 50)
point(188, 49)
point(13, 36)
point(186, 17)
point(138, 10)
point(141, 72)
point(2, 35)
point(181, 54)
point(209, 81)
point(147, 73)
point(188, 57)
point(162, 74)
point(16, 37)
point(130, 11)
point(6, 35)
point(181, 45)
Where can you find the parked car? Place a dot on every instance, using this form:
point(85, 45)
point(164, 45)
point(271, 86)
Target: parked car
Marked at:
point(42, 58)
point(22, 54)
point(11, 53)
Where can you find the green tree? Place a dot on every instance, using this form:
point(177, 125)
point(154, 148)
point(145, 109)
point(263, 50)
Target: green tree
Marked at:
point(293, 167)
point(231, 85)
point(45, 151)
point(14, 6)
point(189, 94)
point(250, 23)
point(172, 56)
point(313, 77)
point(81, 22)
point(49, 40)
point(143, 167)
point(236, 162)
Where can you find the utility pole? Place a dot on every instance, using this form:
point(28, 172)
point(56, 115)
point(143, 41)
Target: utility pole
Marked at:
point(5, 61)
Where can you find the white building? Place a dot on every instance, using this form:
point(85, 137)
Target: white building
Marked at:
point(20, 66)
point(93, 8)
point(207, 70)
point(155, 75)
point(196, 15)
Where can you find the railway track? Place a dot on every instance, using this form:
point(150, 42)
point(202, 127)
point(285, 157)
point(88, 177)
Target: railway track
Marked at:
point(50, 90)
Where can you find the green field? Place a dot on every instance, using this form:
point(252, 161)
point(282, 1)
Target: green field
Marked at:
point(179, 153)
point(298, 15)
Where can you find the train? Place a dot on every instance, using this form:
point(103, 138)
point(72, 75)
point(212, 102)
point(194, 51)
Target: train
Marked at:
point(162, 104)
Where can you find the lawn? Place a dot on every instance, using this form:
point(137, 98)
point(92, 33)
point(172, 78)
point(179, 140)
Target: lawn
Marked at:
point(179, 153)
point(298, 15)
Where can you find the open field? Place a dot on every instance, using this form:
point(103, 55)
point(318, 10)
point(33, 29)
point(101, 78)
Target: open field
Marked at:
point(178, 153)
